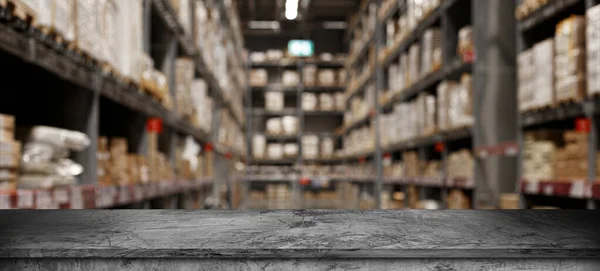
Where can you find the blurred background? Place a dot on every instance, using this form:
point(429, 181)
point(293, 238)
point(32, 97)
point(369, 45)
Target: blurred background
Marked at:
point(299, 104)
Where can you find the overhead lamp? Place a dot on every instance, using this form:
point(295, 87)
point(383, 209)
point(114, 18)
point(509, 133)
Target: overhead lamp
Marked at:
point(264, 25)
point(291, 9)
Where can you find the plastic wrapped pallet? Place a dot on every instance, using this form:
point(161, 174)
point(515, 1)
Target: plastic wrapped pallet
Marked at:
point(391, 32)
point(593, 49)
point(342, 77)
point(88, 27)
point(290, 78)
point(460, 112)
point(460, 164)
point(274, 100)
point(257, 57)
point(310, 146)
point(414, 70)
point(290, 150)
point(465, 41)
point(184, 78)
point(327, 147)
point(274, 151)
point(259, 146)
point(326, 78)
point(289, 125)
point(526, 80)
point(108, 20)
point(103, 156)
point(443, 95)
point(430, 115)
point(274, 55)
point(543, 54)
point(309, 101)
point(259, 77)
point(184, 14)
point(431, 58)
point(130, 39)
point(326, 102)
point(393, 78)
point(274, 126)
point(310, 75)
point(570, 60)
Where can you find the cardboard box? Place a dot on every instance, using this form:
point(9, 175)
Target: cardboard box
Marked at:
point(326, 77)
point(309, 101)
point(593, 49)
point(7, 122)
point(258, 77)
point(274, 126)
point(326, 102)
point(274, 101)
point(310, 146)
point(310, 75)
point(510, 201)
point(290, 78)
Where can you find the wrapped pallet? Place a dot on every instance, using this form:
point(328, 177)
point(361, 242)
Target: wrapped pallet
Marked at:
point(327, 147)
point(309, 101)
point(274, 151)
point(309, 75)
point(130, 57)
point(430, 115)
point(310, 146)
point(340, 101)
point(109, 15)
point(258, 77)
point(526, 80)
point(414, 70)
point(259, 146)
point(184, 14)
point(326, 78)
point(326, 102)
point(290, 78)
point(89, 37)
point(570, 60)
point(274, 101)
point(460, 112)
point(184, 78)
point(593, 49)
point(443, 95)
point(431, 55)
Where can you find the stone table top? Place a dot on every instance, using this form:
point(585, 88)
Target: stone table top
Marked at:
point(299, 234)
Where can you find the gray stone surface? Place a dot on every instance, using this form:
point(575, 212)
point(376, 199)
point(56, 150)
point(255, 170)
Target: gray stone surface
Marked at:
point(300, 234)
point(302, 264)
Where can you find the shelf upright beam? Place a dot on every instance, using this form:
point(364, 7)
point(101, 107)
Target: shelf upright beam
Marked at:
point(88, 157)
point(494, 86)
point(379, 45)
point(297, 196)
point(589, 108)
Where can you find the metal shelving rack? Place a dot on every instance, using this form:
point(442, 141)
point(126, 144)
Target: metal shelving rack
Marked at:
point(257, 117)
point(491, 169)
point(104, 104)
point(534, 28)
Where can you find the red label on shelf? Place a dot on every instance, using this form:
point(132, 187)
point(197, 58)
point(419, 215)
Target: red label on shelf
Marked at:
point(387, 156)
point(208, 147)
point(228, 155)
point(362, 160)
point(304, 181)
point(583, 125)
point(439, 147)
point(154, 125)
point(469, 56)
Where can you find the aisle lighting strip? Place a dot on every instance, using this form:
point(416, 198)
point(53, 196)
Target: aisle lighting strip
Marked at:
point(291, 9)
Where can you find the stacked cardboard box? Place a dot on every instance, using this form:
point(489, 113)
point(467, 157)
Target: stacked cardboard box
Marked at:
point(290, 78)
point(414, 62)
point(571, 160)
point(309, 75)
point(539, 152)
point(412, 165)
point(340, 101)
point(202, 104)
point(290, 150)
point(259, 145)
point(460, 164)
point(433, 169)
point(570, 60)
point(119, 166)
point(327, 147)
point(309, 101)
point(326, 102)
point(455, 103)
point(526, 80)
point(10, 153)
point(593, 49)
point(510, 201)
point(326, 78)
point(458, 199)
point(274, 126)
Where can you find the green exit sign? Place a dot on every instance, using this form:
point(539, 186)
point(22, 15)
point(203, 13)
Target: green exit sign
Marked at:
point(301, 48)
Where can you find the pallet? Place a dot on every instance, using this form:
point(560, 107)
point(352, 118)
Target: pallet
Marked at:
point(20, 10)
point(569, 100)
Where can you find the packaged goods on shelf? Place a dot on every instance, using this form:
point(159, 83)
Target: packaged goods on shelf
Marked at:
point(433, 169)
point(593, 49)
point(342, 77)
point(290, 78)
point(10, 153)
point(539, 151)
point(184, 78)
point(543, 54)
point(326, 102)
point(310, 146)
point(274, 126)
point(278, 196)
point(309, 101)
point(309, 75)
point(259, 77)
point(455, 103)
point(393, 78)
point(570, 59)
point(88, 27)
point(326, 78)
point(391, 33)
point(290, 150)
point(258, 57)
point(274, 100)
point(327, 147)
point(414, 62)
point(430, 125)
point(340, 101)
point(359, 141)
point(526, 80)
point(431, 58)
point(119, 166)
point(510, 201)
point(184, 14)
point(274, 55)
point(412, 165)
point(289, 125)
point(458, 200)
point(570, 161)
point(460, 164)
point(45, 162)
point(465, 41)
point(202, 104)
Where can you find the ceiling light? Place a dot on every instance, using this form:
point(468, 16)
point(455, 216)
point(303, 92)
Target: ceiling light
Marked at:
point(291, 14)
point(263, 25)
point(335, 25)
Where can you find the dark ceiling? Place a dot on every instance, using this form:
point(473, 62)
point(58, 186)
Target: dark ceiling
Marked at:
point(311, 14)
